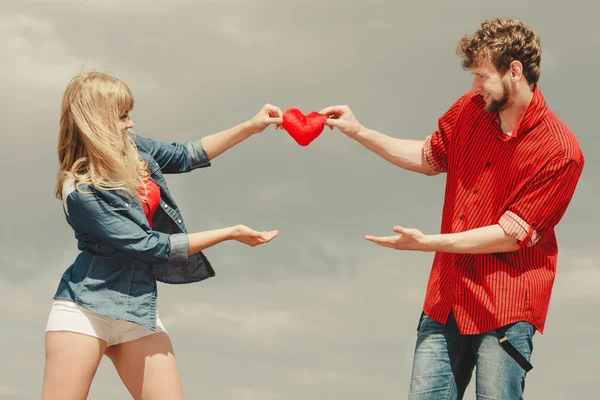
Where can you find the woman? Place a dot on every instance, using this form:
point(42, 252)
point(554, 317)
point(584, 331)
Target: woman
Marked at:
point(131, 234)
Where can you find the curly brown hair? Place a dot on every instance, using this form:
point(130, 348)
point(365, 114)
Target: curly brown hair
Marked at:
point(503, 41)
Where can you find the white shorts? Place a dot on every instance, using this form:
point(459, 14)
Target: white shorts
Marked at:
point(68, 316)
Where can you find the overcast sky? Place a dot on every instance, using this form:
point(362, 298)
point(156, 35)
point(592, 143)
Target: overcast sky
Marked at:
point(318, 313)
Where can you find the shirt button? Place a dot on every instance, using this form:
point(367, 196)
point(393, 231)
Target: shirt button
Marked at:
point(165, 206)
point(475, 191)
point(462, 217)
point(179, 220)
point(487, 164)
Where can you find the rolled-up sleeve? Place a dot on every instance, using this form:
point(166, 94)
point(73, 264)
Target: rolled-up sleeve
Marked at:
point(174, 158)
point(542, 202)
point(180, 245)
point(197, 155)
point(90, 215)
point(436, 147)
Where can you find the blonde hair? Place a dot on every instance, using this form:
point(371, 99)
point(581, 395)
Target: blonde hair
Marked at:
point(503, 41)
point(90, 149)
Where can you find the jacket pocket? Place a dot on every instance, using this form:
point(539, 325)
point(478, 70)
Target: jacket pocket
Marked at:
point(119, 205)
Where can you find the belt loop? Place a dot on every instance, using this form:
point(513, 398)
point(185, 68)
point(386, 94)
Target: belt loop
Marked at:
point(420, 322)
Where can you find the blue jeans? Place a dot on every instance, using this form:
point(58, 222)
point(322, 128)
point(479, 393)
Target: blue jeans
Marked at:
point(444, 361)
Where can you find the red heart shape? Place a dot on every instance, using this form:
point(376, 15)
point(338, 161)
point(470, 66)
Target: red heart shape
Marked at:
point(304, 129)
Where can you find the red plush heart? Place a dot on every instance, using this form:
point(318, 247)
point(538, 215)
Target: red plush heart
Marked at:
point(304, 129)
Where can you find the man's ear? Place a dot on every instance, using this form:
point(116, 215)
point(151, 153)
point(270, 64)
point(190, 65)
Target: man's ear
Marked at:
point(516, 70)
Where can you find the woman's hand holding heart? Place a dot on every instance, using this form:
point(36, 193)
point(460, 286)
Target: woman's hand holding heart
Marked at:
point(268, 115)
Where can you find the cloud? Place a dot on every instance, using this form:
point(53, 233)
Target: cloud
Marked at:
point(13, 392)
point(577, 278)
point(251, 394)
point(272, 195)
point(248, 323)
point(236, 28)
point(27, 302)
point(37, 57)
point(309, 309)
point(138, 6)
point(33, 54)
point(320, 376)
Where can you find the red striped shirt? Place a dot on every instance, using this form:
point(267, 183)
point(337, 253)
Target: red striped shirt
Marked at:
point(523, 182)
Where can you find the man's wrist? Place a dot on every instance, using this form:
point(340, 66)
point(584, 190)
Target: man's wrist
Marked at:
point(431, 243)
point(362, 133)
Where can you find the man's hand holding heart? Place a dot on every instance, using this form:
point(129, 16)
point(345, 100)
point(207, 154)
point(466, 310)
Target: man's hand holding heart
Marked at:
point(341, 117)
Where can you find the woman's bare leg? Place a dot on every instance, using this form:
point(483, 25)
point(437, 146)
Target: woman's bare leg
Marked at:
point(148, 368)
point(72, 360)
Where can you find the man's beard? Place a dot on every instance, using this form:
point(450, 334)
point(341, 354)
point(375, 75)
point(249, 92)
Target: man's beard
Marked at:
point(497, 105)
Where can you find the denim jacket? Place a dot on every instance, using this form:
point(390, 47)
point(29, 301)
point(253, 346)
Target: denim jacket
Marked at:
point(121, 257)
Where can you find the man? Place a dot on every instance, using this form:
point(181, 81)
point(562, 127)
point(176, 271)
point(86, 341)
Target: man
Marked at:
point(512, 168)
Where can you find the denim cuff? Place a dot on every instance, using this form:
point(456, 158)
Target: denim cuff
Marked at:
point(180, 246)
point(197, 155)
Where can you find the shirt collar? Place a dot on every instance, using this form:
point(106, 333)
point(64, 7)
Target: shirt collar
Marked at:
point(533, 116)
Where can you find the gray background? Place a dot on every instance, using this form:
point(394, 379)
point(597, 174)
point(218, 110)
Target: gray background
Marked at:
point(318, 313)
